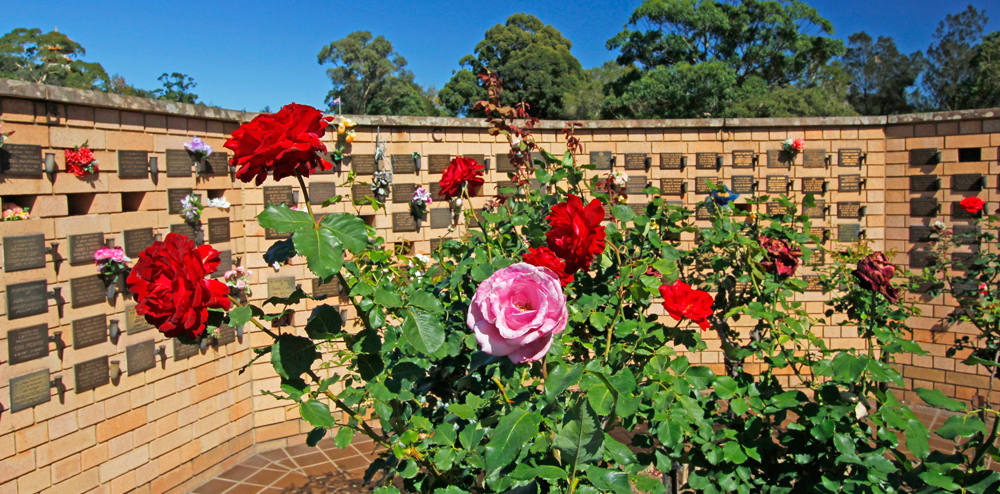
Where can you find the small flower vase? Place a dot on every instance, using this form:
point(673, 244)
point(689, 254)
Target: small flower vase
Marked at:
point(203, 344)
point(418, 162)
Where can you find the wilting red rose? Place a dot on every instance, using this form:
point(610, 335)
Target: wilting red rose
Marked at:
point(543, 257)
point(780, 256)
point(462, 172)
point(875, 273)
point(972, 204)
point(575, 232)
point(283, 143)
point(78, 162)
point(681, 301)
point(169, 283)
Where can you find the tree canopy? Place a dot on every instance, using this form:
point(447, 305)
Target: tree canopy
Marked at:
point(881, 76)
point(48, 58)
point(949, 81)
point(532, 58)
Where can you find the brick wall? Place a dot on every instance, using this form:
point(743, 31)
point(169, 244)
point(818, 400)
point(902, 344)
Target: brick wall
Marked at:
point(171, 427)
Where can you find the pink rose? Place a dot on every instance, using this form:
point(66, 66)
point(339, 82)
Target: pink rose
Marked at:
point(516, 312)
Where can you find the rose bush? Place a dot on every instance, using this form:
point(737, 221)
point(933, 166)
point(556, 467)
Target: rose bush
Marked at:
point(462, 177)
point(284, 144)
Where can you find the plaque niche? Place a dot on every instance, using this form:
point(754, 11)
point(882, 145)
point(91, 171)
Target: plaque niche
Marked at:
point(602, 160)
point(636, 185)
point(23, 252)
point(280, 287)
point(320, 289)
point(813, 283)
point(819, 232)
point(965, 234)
point(504, 165)
point(776, 209)
point(82, 247)
point(635, 161)
point(851, 157)
point(191, 231)
point(776, 158)
point(402, 193)
point(814, 158)
point(225, 263)
point(90, 331)
point(403, 164)
point(140, 357)
point(183, 350)
point(849, 183)
point(744, 159)
point(361, 192)
point(403, 222)
point(179, 163)
point(91, 374)
point(87, 290)
point(924, 183)
point(703, 185)
point(671, 186)
point(818, 211)
point(921, 258)
point(743, 184)
point(135, 323)
point(226, 336)
point(707, 161)
point(174, 198)
point(959, 213)
point(27, 299)
point(967, 182)
point(671, 161)
point(275, 195)
point(216, 164)
point(925, 156)
point(961, 260)
point(137, 241)
point(814, 185)
point(849, 210)
point(702, 213)
point(440, 217)
point(363, 164)
point(133, 164)
point(218, 230)
point(777, 184)
point(438, 163)
point(924, 207)
point(849, 233)
point(30, 389)
point(920, 233)
point(27, 344)
point(21, 160)
point(319, 192)
point(478, 158)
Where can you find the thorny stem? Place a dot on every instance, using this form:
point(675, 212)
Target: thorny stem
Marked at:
point(618, 310)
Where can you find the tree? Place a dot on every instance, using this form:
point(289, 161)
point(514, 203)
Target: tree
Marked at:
point(583, 101)
point(695, 56)
point(534, 61)
point(176, 87)
point(948, 83)
point(50, 58)
point(881, 76)
point(370, 79)
point(986, 84)
point(120, 86)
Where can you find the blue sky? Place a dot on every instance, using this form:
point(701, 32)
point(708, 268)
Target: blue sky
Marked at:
point(248, 54)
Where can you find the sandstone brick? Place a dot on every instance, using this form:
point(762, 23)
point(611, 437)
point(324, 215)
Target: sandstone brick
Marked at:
point(64, 137)
point(30, 437)
point(64, 469)
point(62, 447)
point(15, 466)
point(94, 456)
point(35, 481)
point(120, 425)
point(128, 462)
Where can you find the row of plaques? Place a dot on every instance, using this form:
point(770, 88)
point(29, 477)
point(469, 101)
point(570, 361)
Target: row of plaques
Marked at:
point(26, 160)
point(928, 207)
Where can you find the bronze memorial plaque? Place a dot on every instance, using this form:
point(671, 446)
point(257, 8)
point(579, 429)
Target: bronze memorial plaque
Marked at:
point(436, 244)
point(320, 289)
point(743, 184)
point(635, 161)
point(137, 241)
point(638, 209)
point(671, 161)
point(776, 158)
point(21, 159)
point(818, 211)
point(363, 164)
point(925, 183)
point(967, 182)
point(216, 164)
point(90, 331)
point(503, 163)
point(479, 158)
point(135, 323)
point(961, 260)
point(849, 183)
point(140, 357)
point(819, 232)
point(225, 263)
point(438, 163)
point(475, 218)
point(27, 344)
point(280, 287)
point(319, 192)
point(226, 336)
point(403, 164)
point(174, 198)
point(601, 160)
point(402, 193)
point(218, 230)
point(777, 184)
point(83, 246)
point(672, 186)
point(776, 209)
point(744, 158)
point(186, 230)
point(275, 195)
point(707, 161)
point(702, 185)
point(403, 222)
point(24, 252)
point(440, 217)
point(849, 210)
point(849, 233)
point(360, 192)
point(133, 164)
point(27, 299)
point(702, 213)
point(636, 185)
point(921, 258)
point(966, 234)
point(87, 290)
point(179, 163)
point(813, 283)
point(814, 158)
point(923, 207)
point(29, 390)
point(921, 233)
point(183, 350)
point(814, 185)
point(91, 374)
point(849, 157)
point(925, 156)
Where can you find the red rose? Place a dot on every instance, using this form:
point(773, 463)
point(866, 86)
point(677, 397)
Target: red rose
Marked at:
point(681, 301)
point(575, 232)
point(461, 173)
point(972, 204)
point(543, 257)
point(875, 273)
point(78, 162)
point(781, 257)
point(169, 283)
point(283, 143)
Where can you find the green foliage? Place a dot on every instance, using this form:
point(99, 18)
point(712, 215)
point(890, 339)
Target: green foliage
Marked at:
point(951, 75)
point(534, 61)
point(880, 76)
point(48, 58)
point(176, 87)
